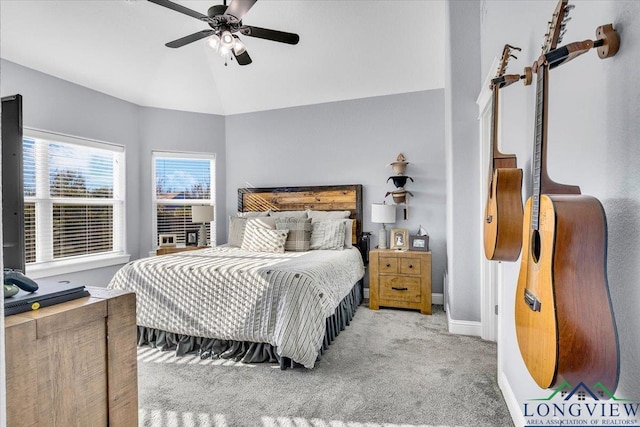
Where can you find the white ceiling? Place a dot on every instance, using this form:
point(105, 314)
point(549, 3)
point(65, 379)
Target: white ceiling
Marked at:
point(348, 49)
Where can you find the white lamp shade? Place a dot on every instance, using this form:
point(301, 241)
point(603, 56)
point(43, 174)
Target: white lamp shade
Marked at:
point(201, 214)
point(381, 213)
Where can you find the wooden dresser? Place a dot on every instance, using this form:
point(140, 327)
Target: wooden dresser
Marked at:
point(74, 363)
point(400, 279)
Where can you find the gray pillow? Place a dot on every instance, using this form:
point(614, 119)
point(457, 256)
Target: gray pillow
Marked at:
point(322, 215)
point(288, 214)
point(299, 238)
point(328, 234)
point(236, 231)
point(253, 214)
point(264, 222)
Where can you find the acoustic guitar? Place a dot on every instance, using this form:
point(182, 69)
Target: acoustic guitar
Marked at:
point(564, 320)
point(503, 209)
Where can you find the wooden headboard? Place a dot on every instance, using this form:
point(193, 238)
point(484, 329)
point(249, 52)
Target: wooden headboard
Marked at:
point(317, 198)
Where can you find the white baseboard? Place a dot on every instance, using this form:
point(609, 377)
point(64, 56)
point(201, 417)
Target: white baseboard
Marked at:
point(512, 403)
point(437, 299)
point(463, 327)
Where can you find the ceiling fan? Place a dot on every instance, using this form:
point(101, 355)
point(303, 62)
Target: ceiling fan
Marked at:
point(225, 21)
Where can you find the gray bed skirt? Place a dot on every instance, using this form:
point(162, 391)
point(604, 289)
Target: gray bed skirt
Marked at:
point(245, 351)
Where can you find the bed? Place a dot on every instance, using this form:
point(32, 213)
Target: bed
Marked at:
point(253, 306)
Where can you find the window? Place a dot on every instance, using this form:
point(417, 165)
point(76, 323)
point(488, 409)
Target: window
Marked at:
point(74, 201)
point(182, 180)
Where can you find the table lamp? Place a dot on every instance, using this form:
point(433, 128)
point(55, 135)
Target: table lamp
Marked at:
point(202, 215)
point(382, 213)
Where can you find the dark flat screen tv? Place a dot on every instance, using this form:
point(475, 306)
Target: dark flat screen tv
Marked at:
point(13, 243)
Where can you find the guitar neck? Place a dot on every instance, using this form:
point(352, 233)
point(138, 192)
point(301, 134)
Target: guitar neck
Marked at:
point(539, 152)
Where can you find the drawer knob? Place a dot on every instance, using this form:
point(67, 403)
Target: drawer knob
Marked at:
point(388, 265)
point(399, 289)
point(410, 265)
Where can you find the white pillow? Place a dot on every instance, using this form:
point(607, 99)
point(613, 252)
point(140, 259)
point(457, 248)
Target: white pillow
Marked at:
point(260, 239)
point(348, 233)
point(327, 234)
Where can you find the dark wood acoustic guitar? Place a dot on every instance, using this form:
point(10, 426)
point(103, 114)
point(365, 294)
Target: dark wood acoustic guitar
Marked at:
point(503, 209)
point(564, 320)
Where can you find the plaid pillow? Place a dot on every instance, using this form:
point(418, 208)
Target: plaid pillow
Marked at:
point(299, 238)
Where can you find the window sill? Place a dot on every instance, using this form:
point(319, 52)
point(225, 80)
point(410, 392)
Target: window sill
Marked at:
point(74, 265)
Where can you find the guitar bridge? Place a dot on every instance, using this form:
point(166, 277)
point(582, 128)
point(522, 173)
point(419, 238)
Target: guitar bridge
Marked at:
point(531, 300)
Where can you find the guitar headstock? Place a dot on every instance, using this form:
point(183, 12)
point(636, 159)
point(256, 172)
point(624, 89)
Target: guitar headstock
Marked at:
point(557, 26)
point(504, 61)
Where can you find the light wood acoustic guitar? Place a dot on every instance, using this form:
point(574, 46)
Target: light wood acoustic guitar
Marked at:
point(503, 209)
point(564, 320)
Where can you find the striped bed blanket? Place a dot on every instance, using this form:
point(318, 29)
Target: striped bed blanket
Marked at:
point(231, 294)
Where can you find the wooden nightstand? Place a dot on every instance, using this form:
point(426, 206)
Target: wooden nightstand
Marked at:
point(174, 249)
point(400, 279)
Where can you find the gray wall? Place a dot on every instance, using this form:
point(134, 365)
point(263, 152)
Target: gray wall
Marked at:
point(349, 142)
point(55, 105)
point(462, 83)
point(171, 130)
point(594, 142)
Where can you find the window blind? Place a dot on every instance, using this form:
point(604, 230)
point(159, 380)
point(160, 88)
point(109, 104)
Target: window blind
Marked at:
point(182, 180)
point(74, 197)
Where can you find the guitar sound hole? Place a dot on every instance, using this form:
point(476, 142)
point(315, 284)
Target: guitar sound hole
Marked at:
point(535, 245)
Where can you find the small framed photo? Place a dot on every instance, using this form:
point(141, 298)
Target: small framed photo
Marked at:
point(192, 238)
point(167, 240)
point(419, 243)
point(399, 239)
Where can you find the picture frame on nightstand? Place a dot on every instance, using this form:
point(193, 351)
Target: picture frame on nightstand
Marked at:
point(419, 243)
point(167, 240)
point(399, 239)
point(191, 238)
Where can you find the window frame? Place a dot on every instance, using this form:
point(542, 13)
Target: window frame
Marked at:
point(187, 155)
point(46, 265)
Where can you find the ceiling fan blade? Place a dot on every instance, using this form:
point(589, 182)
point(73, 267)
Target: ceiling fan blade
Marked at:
point(239, 8)
point(189, 39)
point(243, 58)
point(264, 33)
point(178, 8)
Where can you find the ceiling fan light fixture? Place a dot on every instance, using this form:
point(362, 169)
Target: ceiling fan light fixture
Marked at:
point(226, 39)
point(214, 42)
point(224, 51)
point(239, 48)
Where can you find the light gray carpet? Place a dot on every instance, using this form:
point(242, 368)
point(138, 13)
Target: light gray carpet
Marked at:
point(388, 368)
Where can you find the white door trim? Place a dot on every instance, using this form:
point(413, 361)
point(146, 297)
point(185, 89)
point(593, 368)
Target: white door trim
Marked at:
point(488, 269)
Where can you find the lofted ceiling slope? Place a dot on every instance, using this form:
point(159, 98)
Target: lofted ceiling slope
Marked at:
point(348, 49)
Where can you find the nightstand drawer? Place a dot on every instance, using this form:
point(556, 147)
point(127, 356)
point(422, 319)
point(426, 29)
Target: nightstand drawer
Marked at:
point(398, 288)
point(388, 265)
point(410, 266)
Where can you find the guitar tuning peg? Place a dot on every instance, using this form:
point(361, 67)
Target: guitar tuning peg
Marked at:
point(569, 7)
point(513, 56)
point(565, 20)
